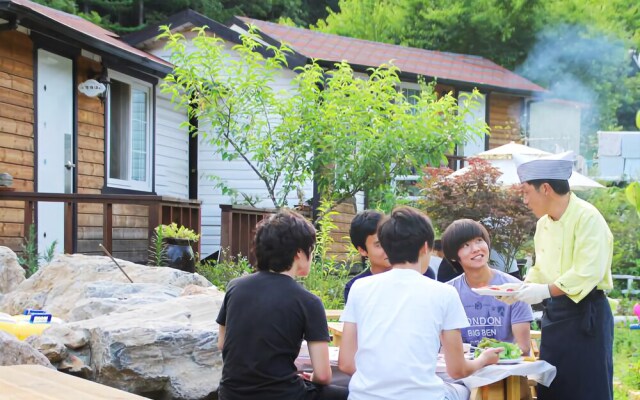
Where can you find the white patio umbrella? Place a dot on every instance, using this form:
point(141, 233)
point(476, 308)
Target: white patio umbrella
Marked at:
point(501, 158)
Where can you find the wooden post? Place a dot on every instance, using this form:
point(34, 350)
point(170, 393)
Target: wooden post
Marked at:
point(28, 216)
point(107, 227)
point(68, 227)
point(154, 219)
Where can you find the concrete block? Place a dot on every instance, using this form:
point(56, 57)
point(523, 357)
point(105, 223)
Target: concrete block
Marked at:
point(631, 145)
point(611, 168)
point(632, 168)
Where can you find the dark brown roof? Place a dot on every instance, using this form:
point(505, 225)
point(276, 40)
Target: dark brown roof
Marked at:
point(83, 31)
point(444, 66)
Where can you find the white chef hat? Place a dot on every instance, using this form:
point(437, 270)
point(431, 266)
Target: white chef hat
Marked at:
point(554, 166)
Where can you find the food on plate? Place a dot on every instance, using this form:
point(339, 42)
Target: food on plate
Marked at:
point(511, 350)
point(505, 287)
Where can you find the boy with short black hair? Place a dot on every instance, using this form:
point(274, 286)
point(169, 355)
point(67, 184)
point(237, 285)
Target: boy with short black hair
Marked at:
point(266, 315)
point(364, 238)
point(396, 321)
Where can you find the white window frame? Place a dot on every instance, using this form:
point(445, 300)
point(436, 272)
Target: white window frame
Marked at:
point(146, 185)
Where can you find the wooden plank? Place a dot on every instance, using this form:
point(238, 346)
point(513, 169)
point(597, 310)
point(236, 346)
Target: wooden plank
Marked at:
point(19, 204)
point(11, 111)
point(89, 143)
point(17, 171)
point(10, 229)
point(16, 142)
point(124, 245)
point(38, 382)
point(130, 209)
point(21, 185)
point(91, 156)
point(130, 233)
point(14, 243)
point(92, 246)
point(17, 46)
point(89, 130)
point(14, 215)
point(129, 221)
point(16, 127)
point(90, 182)
point(16, 98)
point(15, 67)
point(19, 157)
point(91, 169)
point(89, 104)
point(90, 117)
point(90, 208)
point(17, 83)
point(90, 220)
point(89, 233)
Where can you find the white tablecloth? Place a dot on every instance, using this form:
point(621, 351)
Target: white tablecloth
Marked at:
point(540, 371)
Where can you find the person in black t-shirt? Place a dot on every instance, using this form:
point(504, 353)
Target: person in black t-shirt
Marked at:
point(266, 315)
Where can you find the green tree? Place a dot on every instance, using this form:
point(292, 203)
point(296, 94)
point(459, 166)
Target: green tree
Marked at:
point(349, 133)
point(248, 119)
point(366, 132)
point(376, 20)
point(68, 6)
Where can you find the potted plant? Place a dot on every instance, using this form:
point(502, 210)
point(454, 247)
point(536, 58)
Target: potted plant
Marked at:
point(175, 246)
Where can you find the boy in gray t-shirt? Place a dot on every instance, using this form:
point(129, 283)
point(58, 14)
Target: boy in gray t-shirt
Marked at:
point(467, 242)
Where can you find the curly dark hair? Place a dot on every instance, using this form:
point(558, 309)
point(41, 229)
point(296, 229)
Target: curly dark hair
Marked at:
point(278, 239)
point(458, 233)
point(403, 233)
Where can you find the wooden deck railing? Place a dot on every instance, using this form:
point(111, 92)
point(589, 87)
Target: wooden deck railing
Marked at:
point(161, 209)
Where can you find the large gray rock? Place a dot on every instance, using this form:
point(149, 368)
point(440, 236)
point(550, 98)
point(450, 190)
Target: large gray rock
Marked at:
point(67, 280)
point(16, 352)
point(155, 337)
point(168, 349)
point(11, 273)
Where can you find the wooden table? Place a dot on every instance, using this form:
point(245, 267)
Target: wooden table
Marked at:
point(510, 388)
point(335, 328)
point(35, 382)
point(333, 314)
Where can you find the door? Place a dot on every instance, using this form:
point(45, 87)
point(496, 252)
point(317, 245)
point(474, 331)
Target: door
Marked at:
point(54, 113)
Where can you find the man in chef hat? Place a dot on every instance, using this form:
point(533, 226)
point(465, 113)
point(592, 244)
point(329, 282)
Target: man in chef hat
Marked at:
point(573, 247)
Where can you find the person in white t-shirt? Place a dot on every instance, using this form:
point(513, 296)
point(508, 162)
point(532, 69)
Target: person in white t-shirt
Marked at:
point(395, 323)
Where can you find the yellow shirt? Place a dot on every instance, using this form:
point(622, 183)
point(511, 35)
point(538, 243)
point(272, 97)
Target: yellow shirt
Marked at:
point(574, 252)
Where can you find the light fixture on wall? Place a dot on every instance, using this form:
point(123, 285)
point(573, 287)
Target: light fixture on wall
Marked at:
point(97, 86)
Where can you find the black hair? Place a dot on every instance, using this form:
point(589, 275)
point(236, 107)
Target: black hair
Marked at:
point(279, 237)
point(560, 186)
point(364, 225)
point(458, 233)
point(437, 245)
point(403, 233)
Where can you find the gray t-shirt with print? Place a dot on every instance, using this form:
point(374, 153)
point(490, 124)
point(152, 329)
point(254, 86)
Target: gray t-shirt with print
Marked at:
point(489, 317)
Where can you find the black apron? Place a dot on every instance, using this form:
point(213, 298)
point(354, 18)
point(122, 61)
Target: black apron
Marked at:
point(578, 340)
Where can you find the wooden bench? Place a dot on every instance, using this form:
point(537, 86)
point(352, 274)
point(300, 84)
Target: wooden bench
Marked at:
point(29, 382)
point(333, 314)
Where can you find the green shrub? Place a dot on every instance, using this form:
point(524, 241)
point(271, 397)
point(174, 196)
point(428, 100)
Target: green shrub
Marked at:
point(626, 359)
point(220, 273)
point(30, 259)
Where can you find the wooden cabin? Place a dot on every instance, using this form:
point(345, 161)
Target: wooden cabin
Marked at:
point(95, 151)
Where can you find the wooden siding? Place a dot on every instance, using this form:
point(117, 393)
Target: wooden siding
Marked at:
point(16, 129)
point(505, 116)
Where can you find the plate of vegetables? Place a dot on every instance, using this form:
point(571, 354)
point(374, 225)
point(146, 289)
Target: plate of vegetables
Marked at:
point(507, 289)
point(511, 354)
